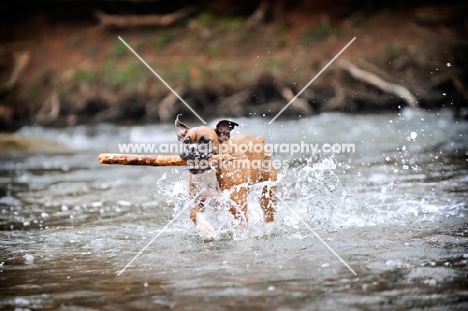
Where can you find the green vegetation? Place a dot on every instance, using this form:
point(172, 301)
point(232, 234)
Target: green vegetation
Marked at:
point(165, 37)
point(275, 65)
point(232, 22)
point(181, 72)
point(118, 49)
point(281, 41)
point(213, 48)
point(92, 50)
point(206, 19)
point(318, 33)
point(358, 20)
point(33, 90)
point(85, 76)
point(391, 50)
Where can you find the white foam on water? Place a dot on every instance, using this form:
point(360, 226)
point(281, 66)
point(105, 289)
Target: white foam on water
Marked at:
point(28, 259)
point(315, 192)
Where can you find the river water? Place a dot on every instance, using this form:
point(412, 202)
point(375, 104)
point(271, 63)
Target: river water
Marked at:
point(395, 210)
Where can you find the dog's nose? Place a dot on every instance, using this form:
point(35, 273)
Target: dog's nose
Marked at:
point(192, 148)
point(190, 152)
point(196, 151)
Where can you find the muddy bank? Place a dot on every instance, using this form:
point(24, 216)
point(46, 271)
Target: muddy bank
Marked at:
point(62, 71)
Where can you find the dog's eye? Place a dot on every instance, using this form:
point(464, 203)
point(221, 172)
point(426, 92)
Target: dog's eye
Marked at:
point(204, 140)
point(187, 141)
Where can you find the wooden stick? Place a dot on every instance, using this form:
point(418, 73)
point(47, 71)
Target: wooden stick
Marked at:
point(125, 21)
point(151, 160)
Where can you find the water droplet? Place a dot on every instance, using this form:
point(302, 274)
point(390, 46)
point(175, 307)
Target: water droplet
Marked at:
point(123, 203)
point(413, 135)
point(449, 65)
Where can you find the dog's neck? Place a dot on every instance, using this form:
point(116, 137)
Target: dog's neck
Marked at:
point(206, 181)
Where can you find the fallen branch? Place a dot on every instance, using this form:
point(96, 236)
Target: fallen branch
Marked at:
point(128, 21)
point(167, 107)
point(20, 62)
point(461, 87)
point(153, 160)
point(234, 104)
point(299, 104)
point(435, 37)
point(337, 101)
point(6, 114)
point(50, 110)
point(436, 15)
point(267, 108)
point(259, 15)
point(373, 79)
point(390, 78)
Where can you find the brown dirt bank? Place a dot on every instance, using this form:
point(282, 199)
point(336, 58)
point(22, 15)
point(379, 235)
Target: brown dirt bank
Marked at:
point(61, 65)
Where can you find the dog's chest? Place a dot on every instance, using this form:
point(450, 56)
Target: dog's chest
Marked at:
point(207, 182)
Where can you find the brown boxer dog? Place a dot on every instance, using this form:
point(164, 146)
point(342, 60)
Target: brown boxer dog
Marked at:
point(248, 163)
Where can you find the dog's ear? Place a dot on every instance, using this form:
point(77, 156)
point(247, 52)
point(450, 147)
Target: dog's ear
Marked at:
point(224, 128)
point(180, 128)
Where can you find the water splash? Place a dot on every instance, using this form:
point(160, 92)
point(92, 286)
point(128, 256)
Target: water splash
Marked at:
point(313, 190)
point(316, 191)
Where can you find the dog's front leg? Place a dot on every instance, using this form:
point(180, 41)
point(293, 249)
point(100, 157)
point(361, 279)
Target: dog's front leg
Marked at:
point(196, 214)
point(203, 226)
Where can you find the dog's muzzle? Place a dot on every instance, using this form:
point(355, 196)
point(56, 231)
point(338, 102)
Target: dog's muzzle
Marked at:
point(197, 160)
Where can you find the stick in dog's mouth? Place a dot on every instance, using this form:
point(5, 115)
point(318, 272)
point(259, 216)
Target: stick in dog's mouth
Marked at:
point(154, 160)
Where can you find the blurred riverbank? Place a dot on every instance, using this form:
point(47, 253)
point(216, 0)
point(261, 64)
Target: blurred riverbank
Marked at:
point(63, 64)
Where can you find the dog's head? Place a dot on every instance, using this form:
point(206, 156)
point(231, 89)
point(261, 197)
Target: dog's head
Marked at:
point(201, 142)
